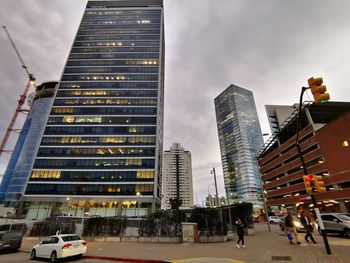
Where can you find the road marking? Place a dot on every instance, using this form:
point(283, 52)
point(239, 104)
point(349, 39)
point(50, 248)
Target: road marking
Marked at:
point(206, 260)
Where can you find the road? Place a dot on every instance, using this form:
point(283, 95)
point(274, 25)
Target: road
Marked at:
point(262, 246)
point(22, 257)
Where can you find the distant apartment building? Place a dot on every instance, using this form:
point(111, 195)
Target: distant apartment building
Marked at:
point(210, 201)
point(177, 177)
point(325, 143)
point(17, 172)
point(101, 148)
point(240, 139)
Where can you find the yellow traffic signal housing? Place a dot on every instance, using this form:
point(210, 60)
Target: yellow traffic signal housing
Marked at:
point(308, 182)
point(318, 90)
point(319, 183)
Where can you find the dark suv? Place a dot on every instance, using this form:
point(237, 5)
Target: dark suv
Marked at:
point(10, 240)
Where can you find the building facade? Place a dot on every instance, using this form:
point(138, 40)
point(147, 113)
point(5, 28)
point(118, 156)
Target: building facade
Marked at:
point(324, 141)
point(177, 177)
point(17, 171)
point(240, 139)
point(100, 153)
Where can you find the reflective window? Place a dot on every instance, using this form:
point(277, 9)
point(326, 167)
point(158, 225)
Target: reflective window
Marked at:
point(106, 93)
point(93, 163)
point(90, 189)
point(102, 120)
point(108, 70)
point(101, 151)
point(105, 110)
point(101, 101)
point(93, 176)
point(99, 130)
point(108, 85)
point(148, 140)
point(111, 77)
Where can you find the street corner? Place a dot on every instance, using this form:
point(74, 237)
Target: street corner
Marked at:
point(206, 260)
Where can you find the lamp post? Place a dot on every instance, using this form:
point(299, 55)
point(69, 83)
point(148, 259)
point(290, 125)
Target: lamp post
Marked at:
point(216, 186)
point(138, 203)
point(264, 192)
point(266, 212)
point(82, 222)
point(228, 205)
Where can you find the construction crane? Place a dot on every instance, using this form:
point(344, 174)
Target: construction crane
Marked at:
point(22, 98)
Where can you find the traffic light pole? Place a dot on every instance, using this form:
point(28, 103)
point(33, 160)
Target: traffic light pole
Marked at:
point(324, 235)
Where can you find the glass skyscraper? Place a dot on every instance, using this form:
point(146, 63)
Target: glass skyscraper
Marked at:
point(16, 175)
point(240, 139)
point(101, 149)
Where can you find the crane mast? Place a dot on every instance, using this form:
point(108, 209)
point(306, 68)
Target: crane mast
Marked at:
point(21, 100)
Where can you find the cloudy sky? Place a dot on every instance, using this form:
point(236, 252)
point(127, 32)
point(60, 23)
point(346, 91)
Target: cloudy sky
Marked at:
point(270, 47)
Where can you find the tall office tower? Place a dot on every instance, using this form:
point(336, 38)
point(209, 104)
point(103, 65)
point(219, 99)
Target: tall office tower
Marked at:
point(177, 177)
point(21, 161)
point(101, 150)
point(240, 139)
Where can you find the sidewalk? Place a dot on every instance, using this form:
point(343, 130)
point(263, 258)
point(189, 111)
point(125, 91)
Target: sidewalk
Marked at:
point(263, 247)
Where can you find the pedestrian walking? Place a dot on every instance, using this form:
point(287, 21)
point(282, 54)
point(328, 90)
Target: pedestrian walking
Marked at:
point(305, 220)
point(240, 233)
point(290, 228)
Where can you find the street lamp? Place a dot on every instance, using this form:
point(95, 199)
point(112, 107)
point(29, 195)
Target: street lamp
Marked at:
point(82, 221)
point(265, 208)
point(216, 186)
point(228, 205)
point(138, 202)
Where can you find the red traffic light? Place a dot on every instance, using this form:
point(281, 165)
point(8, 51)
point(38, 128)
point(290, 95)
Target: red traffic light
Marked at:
point(309, 178)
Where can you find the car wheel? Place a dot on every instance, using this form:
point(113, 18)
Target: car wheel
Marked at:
point(33, 254)
point(271, 222)
point(347, 233)
point(53, 257)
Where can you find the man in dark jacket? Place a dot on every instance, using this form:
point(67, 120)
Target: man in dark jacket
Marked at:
point(306, 222)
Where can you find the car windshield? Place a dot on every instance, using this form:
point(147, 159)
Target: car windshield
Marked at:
point(344, 217)
point(70, 238)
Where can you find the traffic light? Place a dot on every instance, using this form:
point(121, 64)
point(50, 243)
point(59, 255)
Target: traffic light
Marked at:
point(309, 183)
point(318, 90)
point(318, 181)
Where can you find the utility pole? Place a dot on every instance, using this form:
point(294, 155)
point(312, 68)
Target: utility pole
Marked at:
point(216, 186)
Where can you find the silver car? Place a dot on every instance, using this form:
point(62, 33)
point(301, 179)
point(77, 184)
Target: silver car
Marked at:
point(337, 223)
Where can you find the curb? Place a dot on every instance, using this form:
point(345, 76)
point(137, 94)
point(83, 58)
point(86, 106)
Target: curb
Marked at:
point(132, 260)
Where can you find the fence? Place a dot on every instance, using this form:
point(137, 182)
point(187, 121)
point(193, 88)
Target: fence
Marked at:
point(211, 222)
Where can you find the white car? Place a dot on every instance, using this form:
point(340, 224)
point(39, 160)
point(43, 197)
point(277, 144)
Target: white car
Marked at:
point(59, 246)
point(274, 219)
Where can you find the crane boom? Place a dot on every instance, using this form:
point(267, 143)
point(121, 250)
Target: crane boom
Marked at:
point(21, 100)
point(30, 76)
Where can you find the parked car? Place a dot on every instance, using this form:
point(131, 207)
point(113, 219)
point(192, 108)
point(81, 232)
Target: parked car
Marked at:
point(10, 240)
point(59, 246)
point(336, 223)
point(274, 219)
point(296, 221)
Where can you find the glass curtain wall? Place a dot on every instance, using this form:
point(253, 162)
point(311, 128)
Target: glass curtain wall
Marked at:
point(104, 134)
point(240, 139)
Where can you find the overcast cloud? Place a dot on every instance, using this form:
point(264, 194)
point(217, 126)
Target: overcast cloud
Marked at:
point(270, 47)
